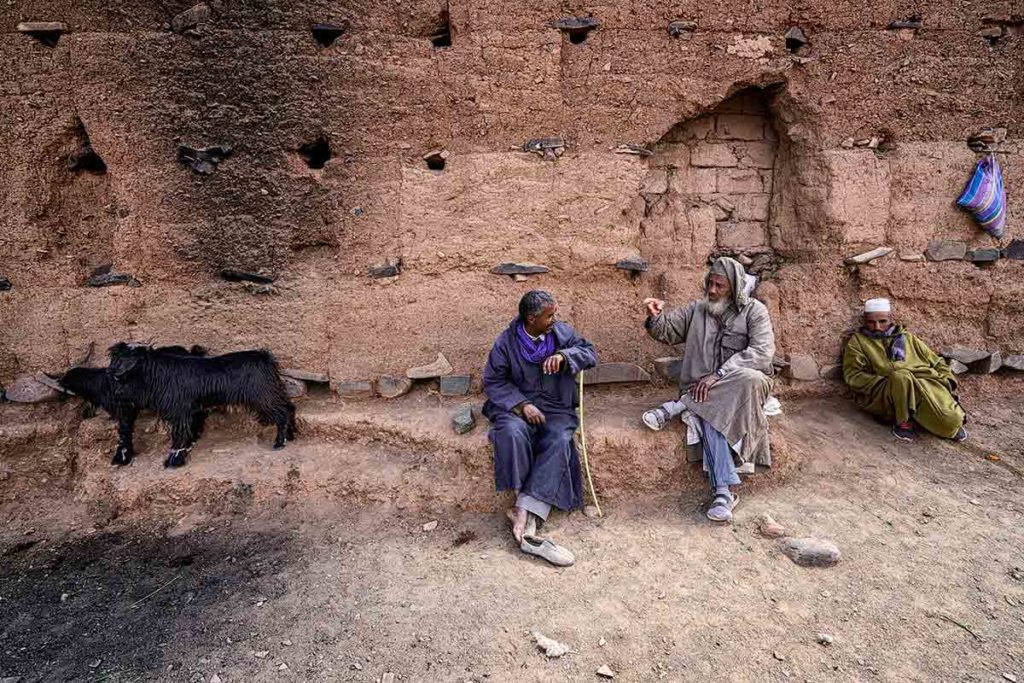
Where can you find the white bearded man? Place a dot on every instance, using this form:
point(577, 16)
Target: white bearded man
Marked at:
point(725, 378)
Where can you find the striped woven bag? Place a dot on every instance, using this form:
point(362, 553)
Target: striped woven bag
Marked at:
point(985, 197)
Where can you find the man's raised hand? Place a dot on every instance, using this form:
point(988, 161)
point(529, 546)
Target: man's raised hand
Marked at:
point(654, 306)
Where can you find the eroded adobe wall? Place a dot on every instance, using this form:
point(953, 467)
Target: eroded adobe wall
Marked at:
point(749, 159)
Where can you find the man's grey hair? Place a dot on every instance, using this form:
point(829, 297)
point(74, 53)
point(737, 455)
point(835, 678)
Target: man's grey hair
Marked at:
point(533, 302)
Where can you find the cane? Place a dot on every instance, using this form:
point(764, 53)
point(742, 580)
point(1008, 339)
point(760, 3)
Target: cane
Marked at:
point(583, 451)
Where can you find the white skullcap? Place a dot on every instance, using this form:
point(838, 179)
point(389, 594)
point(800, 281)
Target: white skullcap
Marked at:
point(877, 306)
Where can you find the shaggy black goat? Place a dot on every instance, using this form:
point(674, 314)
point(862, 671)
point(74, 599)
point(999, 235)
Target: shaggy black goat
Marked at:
point(178, 387)
point(97, 387)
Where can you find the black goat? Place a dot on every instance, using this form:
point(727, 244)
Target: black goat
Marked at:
point(97, 387)
point(179, 387)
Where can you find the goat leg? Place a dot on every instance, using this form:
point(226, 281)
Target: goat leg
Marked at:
point(181, 440)
point(125, 429)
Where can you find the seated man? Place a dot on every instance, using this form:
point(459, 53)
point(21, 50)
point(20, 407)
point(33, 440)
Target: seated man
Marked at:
point(531, 403)
point(896, 377)
point(725, 374)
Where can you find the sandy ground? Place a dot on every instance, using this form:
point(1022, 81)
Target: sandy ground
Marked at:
point(930, 587)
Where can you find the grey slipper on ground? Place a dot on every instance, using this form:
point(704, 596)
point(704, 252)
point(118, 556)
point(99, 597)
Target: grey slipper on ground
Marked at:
point(722, 507)
point(542, 547)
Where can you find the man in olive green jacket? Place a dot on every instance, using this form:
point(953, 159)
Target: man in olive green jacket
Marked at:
point(898, 378)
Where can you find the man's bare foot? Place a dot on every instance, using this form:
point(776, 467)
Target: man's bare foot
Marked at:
point(518, 516)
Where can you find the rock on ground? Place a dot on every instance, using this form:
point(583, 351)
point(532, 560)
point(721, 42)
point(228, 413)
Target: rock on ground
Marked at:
point(810, 551)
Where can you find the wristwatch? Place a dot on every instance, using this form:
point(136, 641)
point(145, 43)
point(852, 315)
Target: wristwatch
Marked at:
point(720, 373)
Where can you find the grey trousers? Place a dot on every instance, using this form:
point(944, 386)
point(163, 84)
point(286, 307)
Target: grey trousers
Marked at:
point(718, 457)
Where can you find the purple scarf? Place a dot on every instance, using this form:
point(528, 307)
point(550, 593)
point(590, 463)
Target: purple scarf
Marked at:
point(534, 351)
point(898, 350)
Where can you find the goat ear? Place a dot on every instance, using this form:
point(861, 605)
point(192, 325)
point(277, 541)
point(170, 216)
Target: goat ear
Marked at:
point(124, 366)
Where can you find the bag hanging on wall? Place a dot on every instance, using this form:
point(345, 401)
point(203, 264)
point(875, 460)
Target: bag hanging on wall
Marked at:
point(985, 197)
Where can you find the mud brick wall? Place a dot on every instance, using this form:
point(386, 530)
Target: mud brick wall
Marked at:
point(756, 147)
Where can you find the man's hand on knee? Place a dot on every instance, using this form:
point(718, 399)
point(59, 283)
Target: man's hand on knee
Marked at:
point(699, 391)
point(532, 414)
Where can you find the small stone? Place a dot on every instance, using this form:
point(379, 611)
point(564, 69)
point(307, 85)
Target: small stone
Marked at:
point(232, 275)
point(30, 390)
point(42, 27)
point(769, 528)
point(306, 376)
point(779, 656)
point(357, 666)
point(552, 648)
point(1010, 677)
point(203, 160)
point(810, 552)
point(669, 367)
point(1015, 362)
point(630, 148)
point(286, 643)
point(190, 18)
point(795, 38)
point(455, 385)
point(215, 679)
point(868, 256)
point(991, 32)
point(387, 678)
point(518, 269)
point(356, 389)
point(655, 183)
point(633, 264)
point(463, 419)
point(745, 260)
point(847, 143)
point(438, 368)
point(591, 511)
point(801, 367)
point(110, 280)
point(293, 388)
point(388, 270)
point(987, 255)
point(914, 22)
point(605, 672)
point(390, 386)
point(613, 373)
point(825, 639)
point(957, 367)
point(520, 278)
point(1014, 250)
point(64, 597)
point(681, 28)
point(430, 526)
point(912, 256)
point(946, 250)
point(602, 642)
point(262, 654)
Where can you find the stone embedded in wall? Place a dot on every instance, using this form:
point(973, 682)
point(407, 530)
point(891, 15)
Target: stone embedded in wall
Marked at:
point(305, 376)
point(232, 275)
point(454, 385)
point(46, 32)
point(519, 269)
point(712, 155)
point(463, 419)
point(868, 256)
point(389, 386)
point(614, 373)
point(986, 255)
point(104, 277)
point(740, 235)
point(30, 390)
point(1014, 250)
point(548, 148)
point(388, 270)
point(987, 365)
point(293, 388)
point(1014, 362)
point(957, 367)
point(438, 368)
point(191, 18)
point(356, 389)
point(203, 160)
point(833, 371)
point(946, 250)
point(681, 29)
point(631, 148)
point(633, 264)
point(759, 155)
point(655, 183)
point(963, 354)
point(739, 181)
point(750, 207)
point(795, 38)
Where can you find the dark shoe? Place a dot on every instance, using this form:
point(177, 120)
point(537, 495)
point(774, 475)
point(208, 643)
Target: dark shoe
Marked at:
point(903, 432)
point(961, 435)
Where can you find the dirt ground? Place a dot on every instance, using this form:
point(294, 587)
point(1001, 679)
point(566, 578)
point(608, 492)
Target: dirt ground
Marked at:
point(930, 587)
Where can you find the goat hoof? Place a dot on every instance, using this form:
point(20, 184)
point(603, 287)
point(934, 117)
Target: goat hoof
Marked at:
point(175, 459)
point(278, 446)
point(122, 457)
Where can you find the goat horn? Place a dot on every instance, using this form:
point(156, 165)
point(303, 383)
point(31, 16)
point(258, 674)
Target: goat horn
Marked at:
point(88, 355)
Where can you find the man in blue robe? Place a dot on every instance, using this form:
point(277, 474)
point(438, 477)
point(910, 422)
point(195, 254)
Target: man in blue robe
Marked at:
point(531, 403)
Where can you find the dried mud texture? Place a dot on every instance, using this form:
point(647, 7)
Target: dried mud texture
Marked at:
point(749, 158)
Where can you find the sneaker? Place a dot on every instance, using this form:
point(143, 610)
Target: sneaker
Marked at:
point(655, 419)
point(961, 435)
point(903, 432)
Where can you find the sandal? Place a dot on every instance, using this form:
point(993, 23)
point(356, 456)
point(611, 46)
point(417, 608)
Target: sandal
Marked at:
point(722, 506)
point(656, 419)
